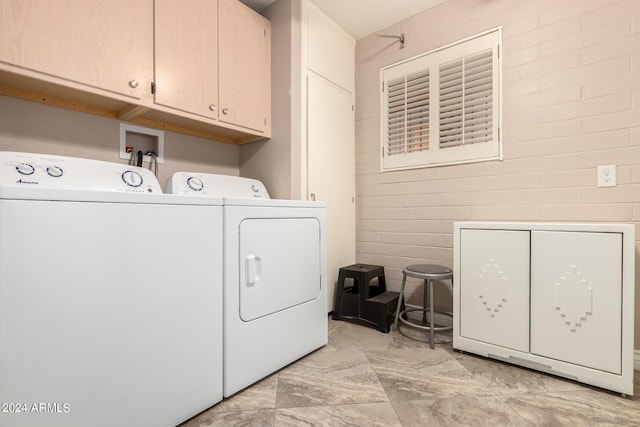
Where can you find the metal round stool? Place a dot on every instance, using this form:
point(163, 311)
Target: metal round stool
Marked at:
point(429, 273)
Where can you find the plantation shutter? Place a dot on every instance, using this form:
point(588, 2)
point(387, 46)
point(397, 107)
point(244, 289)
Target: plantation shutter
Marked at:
point(408, 114)
point(396, 116)
point(442, 107)
point(418, 111)
point(466, 100)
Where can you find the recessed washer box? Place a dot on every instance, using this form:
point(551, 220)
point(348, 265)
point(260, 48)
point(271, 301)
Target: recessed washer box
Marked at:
point(141, 139)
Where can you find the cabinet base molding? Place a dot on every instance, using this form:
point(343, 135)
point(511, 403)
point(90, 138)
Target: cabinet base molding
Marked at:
point(77, 100)
point(132, 111)
point(43, 98)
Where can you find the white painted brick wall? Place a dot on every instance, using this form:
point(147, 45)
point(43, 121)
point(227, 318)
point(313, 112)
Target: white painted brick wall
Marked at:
point(571, 102)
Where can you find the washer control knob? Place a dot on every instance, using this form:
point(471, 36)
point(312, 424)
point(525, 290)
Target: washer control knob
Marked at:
point(132, 178)
point(55, 171)
point(254, 188)
point(25, 169)
point(195, 184)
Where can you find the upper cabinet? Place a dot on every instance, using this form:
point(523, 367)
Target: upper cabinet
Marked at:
point(186, 57)
point(200, 67)
point(330, 50)
point(245, 67)
point(105, 44)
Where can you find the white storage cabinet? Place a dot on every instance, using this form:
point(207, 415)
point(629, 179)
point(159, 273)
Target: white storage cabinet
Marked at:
point(558, 298)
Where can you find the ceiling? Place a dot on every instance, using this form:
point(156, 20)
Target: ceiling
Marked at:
point(363, 17)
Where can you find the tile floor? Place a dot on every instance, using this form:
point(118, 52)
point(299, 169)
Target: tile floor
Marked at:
point(366, 378)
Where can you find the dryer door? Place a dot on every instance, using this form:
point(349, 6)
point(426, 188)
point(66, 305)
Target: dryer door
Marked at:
point(280, 264)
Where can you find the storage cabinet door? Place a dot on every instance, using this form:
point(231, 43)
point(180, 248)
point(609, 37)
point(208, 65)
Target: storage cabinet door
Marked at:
point(186, 55)
point(330, 50)
point(576, 291)
point(245, 67)
point(494, 287)
point(330, 141)
point(106, 44)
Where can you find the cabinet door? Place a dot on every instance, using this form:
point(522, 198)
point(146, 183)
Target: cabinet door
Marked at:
point(106, 44)
point(330, 50)
point(576, 292)
point(186, 55)
point(245, 67)
point(494, 287)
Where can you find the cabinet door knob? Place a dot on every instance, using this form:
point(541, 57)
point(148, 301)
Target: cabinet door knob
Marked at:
point(225, 111)
point(212, 107)
point(133, 83)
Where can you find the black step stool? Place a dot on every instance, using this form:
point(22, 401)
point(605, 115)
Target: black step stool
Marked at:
point(363, 300)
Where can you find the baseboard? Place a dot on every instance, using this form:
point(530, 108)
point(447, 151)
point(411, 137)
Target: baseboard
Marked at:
point(636, 360)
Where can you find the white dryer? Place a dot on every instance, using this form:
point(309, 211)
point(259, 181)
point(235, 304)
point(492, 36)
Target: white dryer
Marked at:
point(110, 296)
point(275, 308)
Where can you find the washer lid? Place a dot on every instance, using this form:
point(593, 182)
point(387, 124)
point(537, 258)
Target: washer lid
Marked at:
point(29, 176)
point(23, 170)
point(209, 184)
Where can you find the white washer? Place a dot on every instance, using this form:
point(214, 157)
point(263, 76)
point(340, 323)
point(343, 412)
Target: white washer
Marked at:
point(275, 291)
point(110, 296)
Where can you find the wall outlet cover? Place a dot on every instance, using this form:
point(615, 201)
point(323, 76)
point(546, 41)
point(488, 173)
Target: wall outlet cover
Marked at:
point(607, 176)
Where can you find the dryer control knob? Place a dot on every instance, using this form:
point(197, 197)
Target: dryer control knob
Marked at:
point(25, 169)
point(132, 178)
point(54, 171)
point(254, 188)
point(195, 184)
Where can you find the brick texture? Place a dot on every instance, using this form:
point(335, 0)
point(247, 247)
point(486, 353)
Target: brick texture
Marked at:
point(570, 100)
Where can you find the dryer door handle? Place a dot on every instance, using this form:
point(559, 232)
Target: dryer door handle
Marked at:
point(252, 269)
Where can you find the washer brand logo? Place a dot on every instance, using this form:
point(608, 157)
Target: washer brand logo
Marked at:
point(22, 181)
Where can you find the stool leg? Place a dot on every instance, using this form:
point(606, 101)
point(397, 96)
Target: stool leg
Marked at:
point(424, 303)
point(432, 332)
point(400, 298)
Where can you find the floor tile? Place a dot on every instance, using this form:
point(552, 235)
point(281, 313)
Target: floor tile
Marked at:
point(360, 415)
point(367, 378)
point(329, 378)
point(459, 411)
point(576, 408)
point(350, 334)
point(261, 395)
point(409, 374)
point(259, 418)
point(503, 378)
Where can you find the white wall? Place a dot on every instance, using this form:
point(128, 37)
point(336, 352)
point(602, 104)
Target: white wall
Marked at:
point(278, 161)
point(37, 128)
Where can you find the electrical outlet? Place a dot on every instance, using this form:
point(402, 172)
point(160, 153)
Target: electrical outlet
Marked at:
point(607, 176)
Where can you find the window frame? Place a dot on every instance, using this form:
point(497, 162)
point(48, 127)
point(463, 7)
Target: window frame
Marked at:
point(435, 155)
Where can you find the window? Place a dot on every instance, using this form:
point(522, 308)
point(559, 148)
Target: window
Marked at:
point(442, 107)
